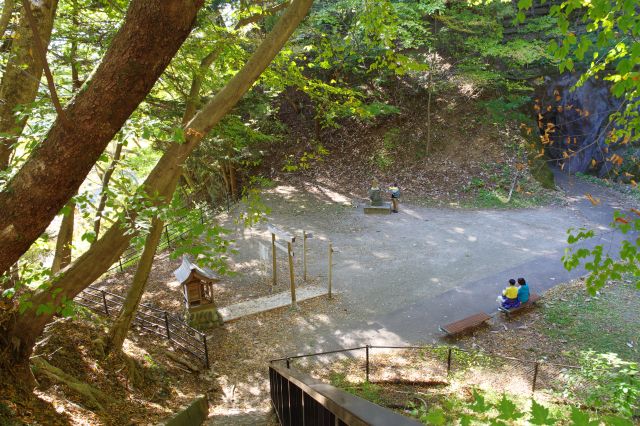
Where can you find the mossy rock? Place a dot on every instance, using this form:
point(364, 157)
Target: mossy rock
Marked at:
point(538, 166)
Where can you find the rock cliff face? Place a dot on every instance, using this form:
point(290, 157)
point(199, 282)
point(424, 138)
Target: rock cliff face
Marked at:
point(578, 121)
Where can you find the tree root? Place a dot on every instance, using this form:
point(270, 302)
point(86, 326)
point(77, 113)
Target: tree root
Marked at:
point(94, 397)
point(180, 360)
point(134, 375)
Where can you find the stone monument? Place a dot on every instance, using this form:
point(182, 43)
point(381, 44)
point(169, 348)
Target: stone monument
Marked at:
point(377, 205)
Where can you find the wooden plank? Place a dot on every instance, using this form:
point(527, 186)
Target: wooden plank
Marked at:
point(273, 257)
point(465, 324)
point(292, 278)
point(281, 234)
point(283, 248)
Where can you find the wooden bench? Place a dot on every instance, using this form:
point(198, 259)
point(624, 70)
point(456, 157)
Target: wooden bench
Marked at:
point(464, 324)
point(533, 298)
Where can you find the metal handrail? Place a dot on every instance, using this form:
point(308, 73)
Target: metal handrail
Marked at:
point(297, 398)
point(423, 347)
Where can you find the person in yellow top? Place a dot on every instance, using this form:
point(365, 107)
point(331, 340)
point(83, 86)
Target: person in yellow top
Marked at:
point(510, 296)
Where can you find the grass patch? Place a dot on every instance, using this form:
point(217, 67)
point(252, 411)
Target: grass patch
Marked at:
point(497, 198)
point(608, 322)
point(622, 188)
point(369, 391)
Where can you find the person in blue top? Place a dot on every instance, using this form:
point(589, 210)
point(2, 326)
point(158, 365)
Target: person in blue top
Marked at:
point(395, 195)
point(523, 291)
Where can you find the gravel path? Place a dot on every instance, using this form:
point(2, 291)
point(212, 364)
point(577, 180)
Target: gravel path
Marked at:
point(399, 276)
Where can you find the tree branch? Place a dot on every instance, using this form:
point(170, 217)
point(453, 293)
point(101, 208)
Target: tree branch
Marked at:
point(42, 55)
point(259, 16)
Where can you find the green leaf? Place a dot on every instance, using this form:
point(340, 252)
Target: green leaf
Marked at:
point(617, 421)
point(8, 293)
point(435, 417)
point(479, 404)
point(88, 236)
point(507, 409)
point(178, 135)
point(579, 418)
point(540, 415)
point(524, 4)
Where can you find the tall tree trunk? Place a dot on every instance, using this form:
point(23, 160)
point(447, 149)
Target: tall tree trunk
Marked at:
point(430, 90)
point(64, 241)
point(20, 81)
point(152, 32)
point(121, 326)
point(104, 194)
point(18, 336)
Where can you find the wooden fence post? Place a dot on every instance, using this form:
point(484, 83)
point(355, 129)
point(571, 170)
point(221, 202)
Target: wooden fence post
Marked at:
point(330, 268)
point(206, 350)
point(273, 255)
point(104, 301)
point(304, 256)
point(166, 233)
point(166, 324)
point(367, 364)
point(291, 277)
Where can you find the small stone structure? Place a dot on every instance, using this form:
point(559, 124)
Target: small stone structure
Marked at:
point(377, 205)
point(197, 289)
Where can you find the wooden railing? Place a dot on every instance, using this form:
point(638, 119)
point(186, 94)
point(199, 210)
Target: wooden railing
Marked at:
point(151, 320)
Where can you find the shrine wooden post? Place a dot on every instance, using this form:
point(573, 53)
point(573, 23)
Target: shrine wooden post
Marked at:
point(290, 239)
point(305, 237)
point(330, 268)
point(273, 255)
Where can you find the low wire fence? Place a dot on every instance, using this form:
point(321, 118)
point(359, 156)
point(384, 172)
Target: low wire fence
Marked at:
point(444, 364)
point(151, 320)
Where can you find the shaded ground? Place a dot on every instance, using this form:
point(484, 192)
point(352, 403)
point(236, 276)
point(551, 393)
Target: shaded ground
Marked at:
point(143, 386)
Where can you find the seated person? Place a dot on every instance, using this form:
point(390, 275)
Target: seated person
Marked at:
point(510, 296)
point(523, 291)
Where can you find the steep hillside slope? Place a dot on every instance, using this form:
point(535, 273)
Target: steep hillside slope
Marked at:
point(470, 155)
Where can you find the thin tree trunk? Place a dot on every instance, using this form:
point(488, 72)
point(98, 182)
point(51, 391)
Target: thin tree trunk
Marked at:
point(20, 81)
point(121, 325)
point(73, 51)
point(430, 90)
point(105, 186)
point(223, 173)
point(149, 38)
point(233, 180)
point(18, 336)
point(7, 11)
point(64, 241)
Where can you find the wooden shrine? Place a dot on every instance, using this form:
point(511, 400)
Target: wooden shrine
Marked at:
point(197, 290)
